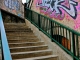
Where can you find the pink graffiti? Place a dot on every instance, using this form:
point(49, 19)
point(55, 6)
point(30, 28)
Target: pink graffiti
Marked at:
point(52, 14)
point(68, 18)
point(77, 23)
point(66, 3)
point(58, 16)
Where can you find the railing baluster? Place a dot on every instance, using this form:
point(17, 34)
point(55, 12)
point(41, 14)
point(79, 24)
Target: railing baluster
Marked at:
point(73, 42)
point(51, 30)
point(39, 21)
point(77, 46)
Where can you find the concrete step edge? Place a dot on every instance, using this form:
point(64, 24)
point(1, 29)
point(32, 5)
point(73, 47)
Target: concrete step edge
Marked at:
point(22, 38)
point(29, 47)
point(28, 42)
point(14, 24)
point(47, 50)
point(40, 57)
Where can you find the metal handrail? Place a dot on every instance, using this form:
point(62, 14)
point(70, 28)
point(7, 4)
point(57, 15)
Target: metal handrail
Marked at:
point(5, 47)
point(78, 33)
point(57, 32)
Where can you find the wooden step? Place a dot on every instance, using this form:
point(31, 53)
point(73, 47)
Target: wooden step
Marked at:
point(28, 48)
point(30, 54)
point(26, 44)
point(49, 57)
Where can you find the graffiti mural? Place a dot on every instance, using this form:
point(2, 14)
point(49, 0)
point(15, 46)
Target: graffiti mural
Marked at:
point(61, 10)
point(57, 6)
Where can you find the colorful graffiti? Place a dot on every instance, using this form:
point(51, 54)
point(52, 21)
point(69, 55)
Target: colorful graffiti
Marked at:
point(61, 10)
point(58, 7)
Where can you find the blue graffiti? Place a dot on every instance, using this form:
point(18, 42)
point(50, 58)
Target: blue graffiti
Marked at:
point(12, 4)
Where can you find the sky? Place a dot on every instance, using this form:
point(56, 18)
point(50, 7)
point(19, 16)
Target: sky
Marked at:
point(23, 1)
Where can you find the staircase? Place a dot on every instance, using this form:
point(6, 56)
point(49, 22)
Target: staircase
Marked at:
point(24, 45)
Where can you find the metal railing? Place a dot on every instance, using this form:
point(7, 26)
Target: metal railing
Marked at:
point(5, 48)
point(66, 38)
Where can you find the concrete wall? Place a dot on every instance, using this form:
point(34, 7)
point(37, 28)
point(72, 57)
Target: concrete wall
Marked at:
point(55, 48)
point(13, 6)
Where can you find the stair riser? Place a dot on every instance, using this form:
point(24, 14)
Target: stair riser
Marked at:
point(19, 31)
point(11, 34)
point(17, 28)
point(52, 58)
point(25, 33)
point(20, 56)
point(20, 41)
point(21, 35)
point(26, 44)
point(28, 49)
point(26, 38)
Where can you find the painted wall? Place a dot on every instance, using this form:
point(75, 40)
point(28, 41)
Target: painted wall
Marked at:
point(66, 12)
point(13, 6)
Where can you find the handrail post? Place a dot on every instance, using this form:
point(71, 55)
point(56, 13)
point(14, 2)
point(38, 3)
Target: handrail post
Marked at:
point(31, 16)
point(39, 21)
point(51, 31)
point(27, 13)
point(73, 45)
